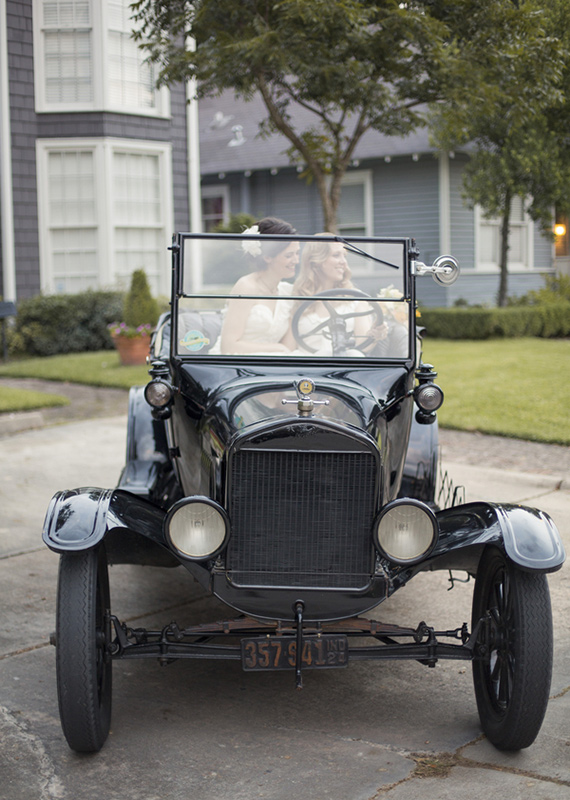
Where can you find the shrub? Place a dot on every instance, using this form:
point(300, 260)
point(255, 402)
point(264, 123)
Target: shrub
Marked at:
point(140, 307)
point(547, 321)
point(65, 323)
point(237, 223)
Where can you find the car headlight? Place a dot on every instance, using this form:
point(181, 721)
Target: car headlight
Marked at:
point(428, 396)
point(197, 527)
point(406, 531)
point(158, 393)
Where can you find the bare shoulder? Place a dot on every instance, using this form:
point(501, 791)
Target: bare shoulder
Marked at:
point(245, 285)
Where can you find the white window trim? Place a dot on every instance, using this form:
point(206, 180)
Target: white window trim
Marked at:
point(99, 15)
point(217, 190)
point(103, 150)
point(482, 268)
point(363, 176)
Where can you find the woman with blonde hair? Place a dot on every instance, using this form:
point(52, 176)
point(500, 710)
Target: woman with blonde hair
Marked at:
point(324, 268)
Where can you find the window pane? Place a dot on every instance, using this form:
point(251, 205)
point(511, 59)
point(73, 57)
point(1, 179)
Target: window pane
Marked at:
point(68, 67)
point(131, 81)
point(71, 188)
point(489, 250)
point(74, 259)
point(139, 248)
point(351, 207)
point(136, 189)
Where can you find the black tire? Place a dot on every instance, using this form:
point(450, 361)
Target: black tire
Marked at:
point(512, 667)
point(83, 665)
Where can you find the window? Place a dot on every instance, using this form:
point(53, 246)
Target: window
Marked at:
point(68, 63)
point(72, 220)
point(104, 211)
point(520, 254)
point(131, 80)
point(355, 208)
point(215, 206)
point(86, 59)
point(137, 217)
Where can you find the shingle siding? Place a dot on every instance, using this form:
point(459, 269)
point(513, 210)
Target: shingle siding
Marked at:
point(23, 133)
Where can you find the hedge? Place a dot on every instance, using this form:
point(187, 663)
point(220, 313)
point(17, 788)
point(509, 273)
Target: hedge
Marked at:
point(65, 323)
point(546, 321)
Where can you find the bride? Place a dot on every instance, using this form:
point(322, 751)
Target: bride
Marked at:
point(262, 323)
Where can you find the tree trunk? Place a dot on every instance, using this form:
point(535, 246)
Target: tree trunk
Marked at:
point(504, 277)
point(329, 203)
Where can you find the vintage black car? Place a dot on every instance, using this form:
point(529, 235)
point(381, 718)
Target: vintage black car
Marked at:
point(291, 469)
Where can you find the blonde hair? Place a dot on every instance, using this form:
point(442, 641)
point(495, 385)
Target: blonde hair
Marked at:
point(313, 256)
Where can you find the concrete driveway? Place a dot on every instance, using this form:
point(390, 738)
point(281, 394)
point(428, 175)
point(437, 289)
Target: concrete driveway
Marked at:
point(210, 731)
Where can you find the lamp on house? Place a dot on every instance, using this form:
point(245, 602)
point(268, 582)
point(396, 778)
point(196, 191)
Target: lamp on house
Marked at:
point(559, 229)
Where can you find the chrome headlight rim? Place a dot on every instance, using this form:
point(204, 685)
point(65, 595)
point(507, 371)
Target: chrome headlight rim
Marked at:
point(430, 514)
point(152, 385)
point(424, 389)
point(193, 500)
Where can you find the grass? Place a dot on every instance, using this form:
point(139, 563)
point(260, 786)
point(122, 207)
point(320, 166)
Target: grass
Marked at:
point(508, 387)
point(28, 400)
point(94, 369)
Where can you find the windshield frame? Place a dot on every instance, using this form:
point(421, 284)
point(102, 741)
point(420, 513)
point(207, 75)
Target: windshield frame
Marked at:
point(356, 244)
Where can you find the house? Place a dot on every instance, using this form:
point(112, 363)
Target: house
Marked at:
point(94, 169)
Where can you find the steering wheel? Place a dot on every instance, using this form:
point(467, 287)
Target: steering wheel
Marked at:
point(334, 326)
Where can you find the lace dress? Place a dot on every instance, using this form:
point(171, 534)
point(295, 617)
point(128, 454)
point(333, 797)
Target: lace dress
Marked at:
point(265, 325)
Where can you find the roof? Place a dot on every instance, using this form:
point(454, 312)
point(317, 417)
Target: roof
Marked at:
point(230, 141)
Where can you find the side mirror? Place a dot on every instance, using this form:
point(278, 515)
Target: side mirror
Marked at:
point(445, 270)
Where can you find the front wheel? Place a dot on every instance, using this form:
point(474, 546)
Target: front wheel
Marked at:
point(83, 663)
point(512, 665)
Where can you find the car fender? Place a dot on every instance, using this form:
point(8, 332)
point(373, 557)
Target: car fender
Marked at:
point(79, 519)
point(528, 536)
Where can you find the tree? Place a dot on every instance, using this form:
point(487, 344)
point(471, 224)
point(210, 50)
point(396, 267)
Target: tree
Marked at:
point(514, 147)
point(355, 65)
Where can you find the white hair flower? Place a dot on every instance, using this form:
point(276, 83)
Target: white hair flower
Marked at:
point(252, 248)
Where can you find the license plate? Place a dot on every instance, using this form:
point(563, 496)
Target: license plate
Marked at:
point(280, 652)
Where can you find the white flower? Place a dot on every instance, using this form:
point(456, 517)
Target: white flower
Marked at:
point(249, 247)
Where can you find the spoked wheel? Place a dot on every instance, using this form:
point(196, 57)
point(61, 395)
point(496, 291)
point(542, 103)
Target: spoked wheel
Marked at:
point(82, 662)
point(513, 658)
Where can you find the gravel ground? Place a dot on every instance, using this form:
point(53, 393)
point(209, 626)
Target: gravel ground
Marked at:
point(457, 446)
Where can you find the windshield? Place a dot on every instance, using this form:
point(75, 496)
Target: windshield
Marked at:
point(320, 297)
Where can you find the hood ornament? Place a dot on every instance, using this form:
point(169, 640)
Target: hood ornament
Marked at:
point(305, 403)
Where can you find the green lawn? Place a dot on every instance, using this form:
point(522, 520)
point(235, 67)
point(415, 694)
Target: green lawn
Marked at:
point(510, 387)
point(95, 369)
point(27, 400)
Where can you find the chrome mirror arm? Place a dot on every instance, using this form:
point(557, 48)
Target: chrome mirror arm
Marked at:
point(445, 270)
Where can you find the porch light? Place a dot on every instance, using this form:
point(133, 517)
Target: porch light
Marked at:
point(559, 229)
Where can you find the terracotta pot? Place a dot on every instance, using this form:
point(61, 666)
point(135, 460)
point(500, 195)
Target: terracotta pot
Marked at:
point(132, 352)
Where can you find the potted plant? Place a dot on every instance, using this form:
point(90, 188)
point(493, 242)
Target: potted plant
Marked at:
point(140, 314)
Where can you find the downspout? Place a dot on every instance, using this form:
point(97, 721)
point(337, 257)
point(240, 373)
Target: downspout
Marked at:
point(6, 198)
point(444, 205)
point(193, 155)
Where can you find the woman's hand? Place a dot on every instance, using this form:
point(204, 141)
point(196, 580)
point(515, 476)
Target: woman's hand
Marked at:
point(378, 332)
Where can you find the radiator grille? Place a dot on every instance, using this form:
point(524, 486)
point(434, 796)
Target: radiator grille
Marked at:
point(301, 518)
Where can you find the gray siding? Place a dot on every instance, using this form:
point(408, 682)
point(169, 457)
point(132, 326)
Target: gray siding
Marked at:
point(406, 201)
point(462, 217)
point(24, 131)
point(543, 251)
